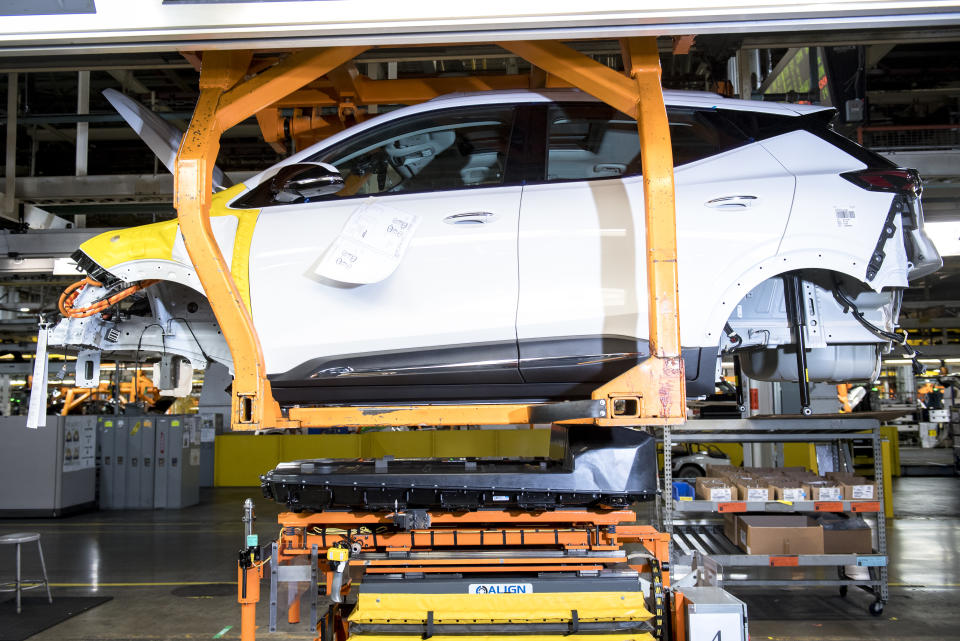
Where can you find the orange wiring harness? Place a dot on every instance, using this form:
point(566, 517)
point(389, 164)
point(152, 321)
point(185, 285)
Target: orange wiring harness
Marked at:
point(70, 294)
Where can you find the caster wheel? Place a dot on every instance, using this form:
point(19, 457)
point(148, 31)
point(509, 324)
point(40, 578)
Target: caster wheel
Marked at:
point(742, 408)
point(807, 411)
point(876, 608)
point(843, 591)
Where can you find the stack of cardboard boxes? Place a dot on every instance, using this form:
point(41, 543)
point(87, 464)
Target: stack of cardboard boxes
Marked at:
point(781, 484)
point(828, 533)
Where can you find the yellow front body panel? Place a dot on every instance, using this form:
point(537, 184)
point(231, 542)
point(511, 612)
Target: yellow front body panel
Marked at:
point(156, 241)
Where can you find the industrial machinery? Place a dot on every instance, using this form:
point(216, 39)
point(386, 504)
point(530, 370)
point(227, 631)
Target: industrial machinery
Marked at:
point(428, 559)
point(422, 574)
point(466, 569)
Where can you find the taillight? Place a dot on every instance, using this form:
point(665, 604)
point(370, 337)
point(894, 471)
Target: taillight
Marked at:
point(898, 181)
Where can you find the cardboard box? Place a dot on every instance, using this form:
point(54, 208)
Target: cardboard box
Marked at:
point(762, 471)
point(855, 488)
point(719, 471)
point(779, 534)
point(789, 490)
point(715, 489)
point(754, 490)
point(859, 490)
point(843, 534)
point(794, 471)
point(730, 522)
point(859, 541)
point(825, 491)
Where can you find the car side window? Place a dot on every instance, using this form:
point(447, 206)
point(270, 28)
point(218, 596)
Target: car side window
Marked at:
point(698, 133)
point(591, 141)
point(439, 150)
point(454, 149)
point(587, 141)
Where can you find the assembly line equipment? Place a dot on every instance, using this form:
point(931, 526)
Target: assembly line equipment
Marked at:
point(705, 542)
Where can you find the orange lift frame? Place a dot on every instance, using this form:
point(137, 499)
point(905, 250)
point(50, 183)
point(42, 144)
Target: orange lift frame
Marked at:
point(309, 533)
point(232, 90)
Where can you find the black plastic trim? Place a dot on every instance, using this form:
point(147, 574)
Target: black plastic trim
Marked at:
point(889, 229)
point(567, 368)
point(94, 270)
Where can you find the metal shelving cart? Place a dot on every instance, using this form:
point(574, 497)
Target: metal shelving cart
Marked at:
point(702, 543)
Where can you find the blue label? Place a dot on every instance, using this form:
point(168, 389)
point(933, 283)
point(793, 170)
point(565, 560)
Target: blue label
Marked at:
point(871, 561)
point(252, 540)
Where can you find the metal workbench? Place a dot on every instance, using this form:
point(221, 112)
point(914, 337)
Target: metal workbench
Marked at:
point(701, 540)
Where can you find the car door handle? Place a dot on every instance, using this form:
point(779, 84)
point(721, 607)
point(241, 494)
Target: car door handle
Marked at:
point(470, 218)
point(731, 202)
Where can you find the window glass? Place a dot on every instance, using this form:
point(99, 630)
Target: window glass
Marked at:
point(589, 141)
point(759, 126)
point(453, 149)
point(440, 150)
point(586, 141)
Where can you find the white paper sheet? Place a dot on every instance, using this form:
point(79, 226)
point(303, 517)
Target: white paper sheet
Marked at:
point(371, 245)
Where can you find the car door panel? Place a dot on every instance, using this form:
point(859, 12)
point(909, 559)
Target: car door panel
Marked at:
point(456, 286)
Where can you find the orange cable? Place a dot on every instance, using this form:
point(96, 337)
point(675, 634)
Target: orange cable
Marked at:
point(71, 293)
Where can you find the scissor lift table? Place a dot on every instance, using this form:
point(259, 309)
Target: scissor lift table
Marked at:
point(422, 574)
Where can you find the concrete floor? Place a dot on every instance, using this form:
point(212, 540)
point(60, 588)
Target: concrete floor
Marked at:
point(172, 573)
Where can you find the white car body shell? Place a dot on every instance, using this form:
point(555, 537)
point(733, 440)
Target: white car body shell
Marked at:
point(555, 260)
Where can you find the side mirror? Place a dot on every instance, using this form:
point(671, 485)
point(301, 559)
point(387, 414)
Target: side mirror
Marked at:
point(305, 180)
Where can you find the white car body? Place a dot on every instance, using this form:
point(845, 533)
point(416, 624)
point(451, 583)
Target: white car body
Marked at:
point(505, 289)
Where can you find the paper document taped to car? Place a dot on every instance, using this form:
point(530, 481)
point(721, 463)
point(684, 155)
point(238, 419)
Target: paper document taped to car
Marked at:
point(370, 246)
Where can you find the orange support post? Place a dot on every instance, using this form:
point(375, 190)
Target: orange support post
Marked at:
point(659, 382)
point(654, 392)
point(293, 612)
point(223, 103)
point(248, 594)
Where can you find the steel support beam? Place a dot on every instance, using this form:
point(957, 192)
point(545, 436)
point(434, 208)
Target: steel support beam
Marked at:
point(45, 243)
point(583, 72)
point(83, 128)
point(94, 190)
point(10, 167)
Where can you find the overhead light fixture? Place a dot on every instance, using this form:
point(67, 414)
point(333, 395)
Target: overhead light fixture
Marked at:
point(24, 309)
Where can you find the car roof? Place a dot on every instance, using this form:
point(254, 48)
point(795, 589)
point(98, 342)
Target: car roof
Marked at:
point(671, 97)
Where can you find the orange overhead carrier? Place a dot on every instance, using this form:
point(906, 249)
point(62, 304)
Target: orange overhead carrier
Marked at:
point(232, 90)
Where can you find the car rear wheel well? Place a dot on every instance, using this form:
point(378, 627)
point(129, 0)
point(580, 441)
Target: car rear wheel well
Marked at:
point(839, 346)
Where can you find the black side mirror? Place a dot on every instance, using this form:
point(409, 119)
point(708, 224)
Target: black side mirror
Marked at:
point(305, 180)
